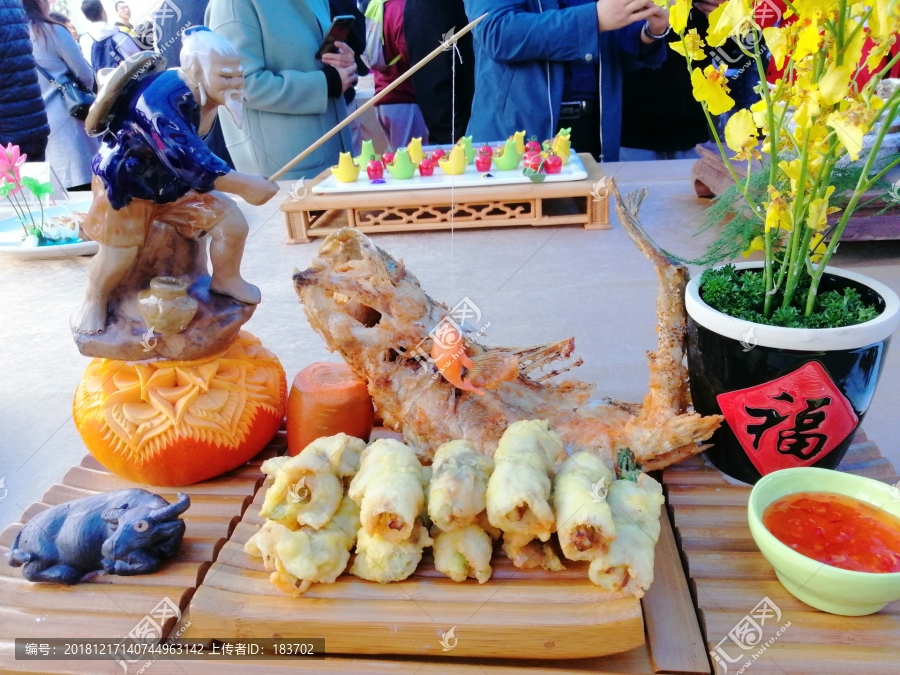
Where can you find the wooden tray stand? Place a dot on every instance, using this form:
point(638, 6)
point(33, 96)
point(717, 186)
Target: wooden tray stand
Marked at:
point(539, 204)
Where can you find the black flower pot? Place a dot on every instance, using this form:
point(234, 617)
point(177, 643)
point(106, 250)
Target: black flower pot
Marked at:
point(790, 396)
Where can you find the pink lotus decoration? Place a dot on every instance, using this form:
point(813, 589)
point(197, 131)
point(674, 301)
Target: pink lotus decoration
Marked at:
point(11, 182)
point(10, 162)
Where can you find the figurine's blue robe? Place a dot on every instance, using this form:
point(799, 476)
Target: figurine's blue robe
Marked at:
point(153, 150)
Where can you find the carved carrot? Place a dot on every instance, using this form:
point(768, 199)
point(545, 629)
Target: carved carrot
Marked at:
point(449, 354)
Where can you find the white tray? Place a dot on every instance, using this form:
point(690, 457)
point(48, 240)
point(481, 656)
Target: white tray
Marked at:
point(572, 170)
point(11, 237)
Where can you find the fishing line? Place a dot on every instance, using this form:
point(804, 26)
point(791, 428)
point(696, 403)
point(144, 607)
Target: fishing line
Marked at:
point(453, 52)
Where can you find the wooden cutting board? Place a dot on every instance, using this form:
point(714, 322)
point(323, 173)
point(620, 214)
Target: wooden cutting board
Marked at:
point(519, 616)
point(522, 614)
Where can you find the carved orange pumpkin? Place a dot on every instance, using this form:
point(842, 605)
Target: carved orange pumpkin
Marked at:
point(180, 422)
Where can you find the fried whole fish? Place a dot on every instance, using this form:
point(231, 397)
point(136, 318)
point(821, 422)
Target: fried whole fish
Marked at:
point(368, 307)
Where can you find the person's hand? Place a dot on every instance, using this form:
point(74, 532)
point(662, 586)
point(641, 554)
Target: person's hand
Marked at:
point(613, 14)
point(349, 76)
point(255, 190)
point(657, 23)
point(258, 190)
point(707, 6)
point(343, 58)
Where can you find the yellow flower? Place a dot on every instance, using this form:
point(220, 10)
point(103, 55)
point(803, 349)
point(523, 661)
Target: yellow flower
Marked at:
point(808, 39)
point(853, 51)
point(778, 214)
point(876, 56)
point(760, 113)
point(757, 244)
point(791, 170)
point(835, 84)
point(817, 145)
point(678, 15)
point(817, 215)
point(817, 248)
point(741, 133)
point(884, 19)
point(691, 46)
point(805, 98)
point(808, 108)
point(777, 42)
point(733, 16)
point(810, 7)
point(850, 126)
point(710, 87)
point(858, 9)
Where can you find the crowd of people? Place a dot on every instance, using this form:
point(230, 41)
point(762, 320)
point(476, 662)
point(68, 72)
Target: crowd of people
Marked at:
point(602, 69)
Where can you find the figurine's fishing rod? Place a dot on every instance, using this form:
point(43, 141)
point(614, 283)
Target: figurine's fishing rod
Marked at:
point(446, 44)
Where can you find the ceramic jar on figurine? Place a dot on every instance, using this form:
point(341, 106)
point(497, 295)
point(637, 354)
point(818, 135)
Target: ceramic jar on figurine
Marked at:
point(165, 306)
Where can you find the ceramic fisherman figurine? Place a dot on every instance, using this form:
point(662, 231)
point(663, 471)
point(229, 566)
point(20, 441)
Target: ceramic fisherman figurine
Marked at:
point(153, 171)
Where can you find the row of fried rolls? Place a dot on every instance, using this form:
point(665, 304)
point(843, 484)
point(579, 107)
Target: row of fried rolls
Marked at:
point(470, 500)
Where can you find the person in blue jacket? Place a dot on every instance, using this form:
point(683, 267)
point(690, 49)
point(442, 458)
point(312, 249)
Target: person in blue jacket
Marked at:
point(546, 64)
point(23, 119)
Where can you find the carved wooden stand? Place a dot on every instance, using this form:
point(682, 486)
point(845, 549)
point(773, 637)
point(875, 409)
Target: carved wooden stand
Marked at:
point(537, 204)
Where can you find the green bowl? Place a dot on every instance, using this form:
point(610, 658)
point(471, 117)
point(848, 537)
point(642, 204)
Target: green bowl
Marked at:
point(822, 586)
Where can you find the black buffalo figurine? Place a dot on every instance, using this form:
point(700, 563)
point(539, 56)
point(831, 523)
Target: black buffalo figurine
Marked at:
point(125, 532)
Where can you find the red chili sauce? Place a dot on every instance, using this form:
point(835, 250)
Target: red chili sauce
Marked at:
point(836, 530)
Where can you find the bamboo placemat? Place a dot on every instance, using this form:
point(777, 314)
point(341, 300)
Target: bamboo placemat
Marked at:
point(111, 606)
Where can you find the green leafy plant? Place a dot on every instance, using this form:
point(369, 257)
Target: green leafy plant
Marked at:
point(627, 466)
point(742, 294)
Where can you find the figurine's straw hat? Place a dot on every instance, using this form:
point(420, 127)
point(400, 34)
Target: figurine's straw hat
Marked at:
point(132, 68)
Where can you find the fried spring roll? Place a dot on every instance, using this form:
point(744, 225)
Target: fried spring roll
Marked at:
point(519, 489)
point(340, 451)
point(304, 490)
point(528, 553)
point(463, 552)
point(459, 482)
point(383, 561)
point(298, 559)
point(584, 522)
point(482, 521)
point(628, 563)
point(388, 490)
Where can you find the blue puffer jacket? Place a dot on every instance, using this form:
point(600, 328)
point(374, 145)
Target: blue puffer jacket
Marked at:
point(520, 52)
point(23, 121)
